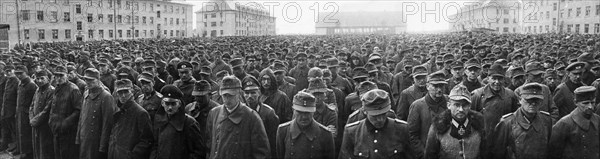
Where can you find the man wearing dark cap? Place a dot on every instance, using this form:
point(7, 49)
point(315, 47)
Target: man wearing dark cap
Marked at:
point(95, 123)
point(300, 71)
point(72, 76)
point(496, 99)
point(296, 138)
point(9, 105)
point(412, 93)
point(551, 80)
point(360, 113)
point(202, 104)
point(587, 76)
point(377, 136)
point(131, 127)
point(458, 131)
point(252, 68)
point(336, 80)
point(576, 134)
point(186, 81)
point(457, 70)
point(25, 93)
point(245, 136)
point(423, 110)
point(42, 136)
point(535, 72)
point(472, 73)
point(274, 97)
point(107, 77)
point(125, 73)
point(252, 93)
point(326, 114)
point(237, 66)
point(564, 91)
point(64, 114)
point(149, 99)
point(517, 77)
point(280, 72)
point(176, 135)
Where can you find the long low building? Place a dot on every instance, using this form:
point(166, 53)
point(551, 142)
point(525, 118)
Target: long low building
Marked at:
point(84, 20)
point(360, 23)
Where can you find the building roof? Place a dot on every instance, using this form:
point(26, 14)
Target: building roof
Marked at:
point(232, 5)
point(359, 19)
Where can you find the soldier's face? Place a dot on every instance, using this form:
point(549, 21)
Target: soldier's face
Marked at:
point(266, 81)
point(472, 72)
point(436, 90)
point(320, 96)
point(575, 77)
point(147, 86)
point(551, 81)
point(496, 82)
point(586, 106)
point(230, 99)
point(378, 120)
point(124, 95)
point(238, 71)
point(252, 96)
point(91, 83)
point(420, 81)
point(303, 119)
point(518, 81)
point(60, 78)
point(171, 105)
point(185, 74)
point(279, 76)
point(459, 108)
point(457, 71)
point(41, 80)
point(531, 105)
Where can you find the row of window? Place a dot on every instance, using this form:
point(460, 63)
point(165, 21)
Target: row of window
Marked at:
point(91, 33)
point(588, 10)
point(148, 7)
point(575, 28)
point(53, 17)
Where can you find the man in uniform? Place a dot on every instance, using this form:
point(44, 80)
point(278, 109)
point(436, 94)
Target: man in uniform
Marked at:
point(576, 135)
point(25, 94)
point(524, 133)
point(412, 93)
point(534, 74)
point(377, 136)
point(150, 98)
point(186, 81)
point(303, 137)
point(38, 117)
point(423, 110)
point(64, 115)
point(280, 72)
point(325, 114)
point(300, 72)
point(107, 77)
point(564, 92)
point(245, 135)
point(9, 105)
point(252, 93)
point(202, 104)
point(93, 131)
point(337, 81)
point(360, 114)
point(472, 72)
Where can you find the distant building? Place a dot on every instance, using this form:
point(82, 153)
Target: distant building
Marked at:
point(564, 16)
point(360, 23)
point(500, 16)
point(84, 20)
point(230, 18)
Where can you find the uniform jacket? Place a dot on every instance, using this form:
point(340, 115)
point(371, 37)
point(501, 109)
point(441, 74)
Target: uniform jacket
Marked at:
point(131, 135)
point(360, 115)
point(314, 142)
point(95, 123)
point(237, 134)
point(301, 75)
point(186, 87)
point(65, 110)
point(401, 81)
point(363, 140)
point(151, 103)
point(493, 106)
point(442, 145)
point(38, 118)
point(563, 97)
point(271, 121)
point(574, 137)
point(407, 97)
point(25, 93)
point(421, 115)
point(3, 80)
point(325, 115)
point(178, 137)
point(200, 114)
point(342, 83)
point(109, 80)
point(9, 104)
point(519, 138)
point(289, 89)
point(548, 103)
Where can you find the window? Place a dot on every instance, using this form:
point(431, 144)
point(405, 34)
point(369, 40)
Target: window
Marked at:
point(151, 7)
point(586, 28)
point(145, 33)
point(514, 30)
point(588, 9)
point(100, 18)
point(110, 3)
point(137, 33)
point(137, 19)
point(79, 25)
point(562, 12)
point(78, 8)
point(506, 20)
point(597, 9)
point(54, 33)
point(554, 21)
point(40, 15)
point(118, 3)
point(597, 28)
point(177, 33)
point(569, 13)
point(576, 28)
point(151, 33)
point(119, 19)
point(542, 15)
point(158, 14)
point(177, 21)
point(144, 20)
point(25, 14)
point(205, 24)
point(221, 32)
point(41, 34)
point(578, 11)
point(110, 18)
point(127, 19)
point(554, 6)
point(547, 14)
point(547, 28)
point(213, 24)
point(171, 21)
point(110, 33)
point(214, 15)
point(128, 33)
point(120, 32)
point(26, 34)
point(569, 27)
point(101, 34)
point(90, 18)
point(53, 16)
point(67, 33)
point(90, 34)
point(171, 33)
point(151, 20)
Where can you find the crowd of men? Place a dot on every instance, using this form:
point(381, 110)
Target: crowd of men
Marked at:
point(456, 95)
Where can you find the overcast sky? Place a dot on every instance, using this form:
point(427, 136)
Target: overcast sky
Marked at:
point(289, 21)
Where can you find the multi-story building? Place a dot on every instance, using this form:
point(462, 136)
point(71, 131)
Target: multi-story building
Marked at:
point(83, 20)
point(369, 23)
point(499, 16)
point(230, 18)
point(563, 16)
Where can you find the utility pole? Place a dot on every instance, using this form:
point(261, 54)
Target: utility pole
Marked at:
point(114, 5)
point(558, 23)
point(132, 21)
point(18, 21)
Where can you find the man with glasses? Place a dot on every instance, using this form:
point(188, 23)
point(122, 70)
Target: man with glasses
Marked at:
point(96, 119)
point(300, 71)
point(564, 91)
point(576, 134)
point(412, 93)
point(186, 81)
point(423, 110)
point(25, 92)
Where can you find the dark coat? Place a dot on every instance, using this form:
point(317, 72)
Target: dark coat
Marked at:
point(186, 87)
point(314, 142)
point(151, 104)
point(276, 99)
point(64, 116)
point(38, 118)
point(200, 113)
point(9, 104)
point(574, 137)
point(237, 134)
point(109, 80)
point(363, 140)
point(342, 83)
point(440, 144)
point(563, 97)
point(407, 97)
point(301, 76)
point(24, 98)
point(400, 82)
point(325, 116)
point(288, 88)
point(178, 137)
point(548, 103)
point(517, 137)
point(131, 135)
point(421, 115)
point(95, 123)
point(270, 121)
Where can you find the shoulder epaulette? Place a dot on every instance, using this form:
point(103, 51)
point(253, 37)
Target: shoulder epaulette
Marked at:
point(400, 121)
point(353, 114)
point(159, 95)
point(353, 124)
point(331, 107)
point(545, 113)
point(285, 124)
point(507, 115)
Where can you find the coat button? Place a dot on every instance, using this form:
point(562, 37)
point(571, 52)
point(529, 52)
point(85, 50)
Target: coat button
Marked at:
point(375, 151)
point(375, 141)
point(395, 151)
point(292, 154)
point(376, 131)
point(360, 154)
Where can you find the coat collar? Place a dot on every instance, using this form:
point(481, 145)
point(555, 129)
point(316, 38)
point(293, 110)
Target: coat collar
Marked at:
point(487, 92)
point(526, 123)
point(177, 120)
point(311, 132)
point(236, 116)
point(577, 116)
point(25, 81)
point(94, 92)
point(125, 107)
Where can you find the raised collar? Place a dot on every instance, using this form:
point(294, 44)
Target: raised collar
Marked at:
point(125, 107)
point(526, 123)
point(435, 104)
point(584, 123)
point(572, 86)
point(310, 132)
point(25, 81)
point(456, 124)
point(235, 116)
point(177, 120)
point(321, 107)
point(372, 128)
point(488, 93)
point(94, 92)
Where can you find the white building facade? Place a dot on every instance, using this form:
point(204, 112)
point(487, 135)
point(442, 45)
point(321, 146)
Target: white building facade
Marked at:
point(228, 18)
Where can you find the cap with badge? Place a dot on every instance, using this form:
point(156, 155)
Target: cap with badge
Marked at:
point(230, 85)
point(532, 90)
point(472, 63)
point(171, 93)
point(496, 70)
point(332, 62)
point(184, 65)
point(460, 92)
point(366, 86)
point(534, 68)
point(585, 93)
point(201, 88)
point(146, 76)
point(304, 102)
point(250, 83)
point(516, 72)
point(91, 73)
point(576, 67)
point(360, 72)
point(437, 78)
point(376, 102)
point(123, 84)
point(419, 70)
